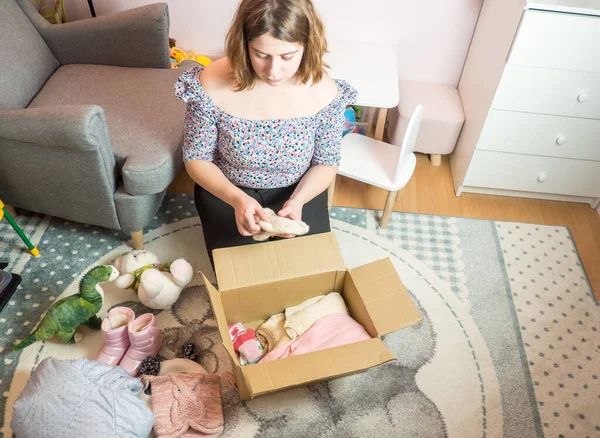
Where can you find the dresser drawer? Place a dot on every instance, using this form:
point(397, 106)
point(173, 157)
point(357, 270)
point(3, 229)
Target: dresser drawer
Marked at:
point(538, 134)
point(558, 40)
point(547, 91)
point(529, 173)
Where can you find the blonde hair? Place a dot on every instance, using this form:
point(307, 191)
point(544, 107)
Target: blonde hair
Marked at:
point(294, 21)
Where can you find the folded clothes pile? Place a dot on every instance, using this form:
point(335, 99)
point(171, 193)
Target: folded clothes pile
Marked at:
point(80, 398)
point(316, 324)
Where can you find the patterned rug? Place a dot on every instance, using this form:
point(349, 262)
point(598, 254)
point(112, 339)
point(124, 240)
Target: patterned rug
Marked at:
point(508, 346)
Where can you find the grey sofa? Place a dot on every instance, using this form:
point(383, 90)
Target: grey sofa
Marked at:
point(90, 129)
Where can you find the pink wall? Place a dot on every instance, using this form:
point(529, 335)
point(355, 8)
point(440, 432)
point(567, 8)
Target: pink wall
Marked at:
point(431, 36)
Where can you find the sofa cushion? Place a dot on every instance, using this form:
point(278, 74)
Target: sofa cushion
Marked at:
point(26, 62)
point(145, 120)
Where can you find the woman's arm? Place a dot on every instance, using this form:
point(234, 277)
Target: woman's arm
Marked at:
point(210, 177)
point(314, 182)
point(326, 154)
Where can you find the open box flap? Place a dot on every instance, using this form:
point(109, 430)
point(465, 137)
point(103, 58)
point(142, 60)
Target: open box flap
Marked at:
point(389, 305)
point(256, 264)
point(217, 305)
point(311, 367)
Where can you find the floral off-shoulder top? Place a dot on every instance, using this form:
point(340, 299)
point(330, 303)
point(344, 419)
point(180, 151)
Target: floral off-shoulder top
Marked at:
point(260, 154)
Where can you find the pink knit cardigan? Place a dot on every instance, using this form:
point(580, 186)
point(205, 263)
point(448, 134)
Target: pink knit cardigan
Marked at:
point(188, 404)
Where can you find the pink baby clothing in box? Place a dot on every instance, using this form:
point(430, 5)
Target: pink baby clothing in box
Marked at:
point(330, 331)
point(245, 344)
point(300, 318)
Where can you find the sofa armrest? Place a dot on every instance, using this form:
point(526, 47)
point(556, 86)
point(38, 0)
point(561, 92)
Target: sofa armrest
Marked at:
point(59, 161)
point(81, 127)
point(137, 37)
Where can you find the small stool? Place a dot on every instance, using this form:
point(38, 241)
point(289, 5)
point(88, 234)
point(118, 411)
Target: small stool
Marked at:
point(443, 117)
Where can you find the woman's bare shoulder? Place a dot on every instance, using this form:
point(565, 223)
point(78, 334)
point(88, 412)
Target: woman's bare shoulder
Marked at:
point(325, 90)
point(216, 77)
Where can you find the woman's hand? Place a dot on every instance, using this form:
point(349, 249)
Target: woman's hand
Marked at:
point(247, 209)
point(210, 177)
point(292, 209)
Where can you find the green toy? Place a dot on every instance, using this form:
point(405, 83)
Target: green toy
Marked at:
point(67, 314)
point(4, 213)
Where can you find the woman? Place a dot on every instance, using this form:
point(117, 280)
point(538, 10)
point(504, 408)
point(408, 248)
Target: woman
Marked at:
point(264, 124)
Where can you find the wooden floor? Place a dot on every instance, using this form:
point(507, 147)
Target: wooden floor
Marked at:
point(430, 192)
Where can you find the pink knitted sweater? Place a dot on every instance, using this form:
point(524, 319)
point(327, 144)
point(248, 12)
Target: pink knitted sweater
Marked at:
point(187, 404)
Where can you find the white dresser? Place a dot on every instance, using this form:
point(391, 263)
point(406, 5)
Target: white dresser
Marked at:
point(531, 95)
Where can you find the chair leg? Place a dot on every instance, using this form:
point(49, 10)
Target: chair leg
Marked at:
point(436, 159)
point(330, 192)
point(137, 237)
point(387, 210)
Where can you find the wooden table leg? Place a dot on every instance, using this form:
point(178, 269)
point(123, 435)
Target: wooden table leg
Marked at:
point(370, 117)
point(380, 127)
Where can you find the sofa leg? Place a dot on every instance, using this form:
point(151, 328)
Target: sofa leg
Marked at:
point(436, 159)
point(11, 210)
point(137, 238)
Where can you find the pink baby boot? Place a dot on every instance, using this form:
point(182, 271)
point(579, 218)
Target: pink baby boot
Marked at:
point(116, 338)
point(145, 340)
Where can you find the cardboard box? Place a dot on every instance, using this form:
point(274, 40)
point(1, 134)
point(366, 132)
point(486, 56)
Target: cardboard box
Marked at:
point(257, 281)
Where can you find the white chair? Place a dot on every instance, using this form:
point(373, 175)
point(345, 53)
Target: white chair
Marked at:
point(382, 164)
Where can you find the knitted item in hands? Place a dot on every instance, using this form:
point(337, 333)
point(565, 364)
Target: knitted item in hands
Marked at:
point(278, 225)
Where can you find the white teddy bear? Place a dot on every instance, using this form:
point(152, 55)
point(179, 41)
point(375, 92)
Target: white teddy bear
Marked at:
point(157, 286)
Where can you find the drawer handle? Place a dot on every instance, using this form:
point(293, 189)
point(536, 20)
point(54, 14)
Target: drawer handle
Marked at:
point(542, 177)
point(583, 97)
point(561, 139)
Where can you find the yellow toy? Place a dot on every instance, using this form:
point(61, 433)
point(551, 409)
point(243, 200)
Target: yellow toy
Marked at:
point(4, 212)
point(178, 56)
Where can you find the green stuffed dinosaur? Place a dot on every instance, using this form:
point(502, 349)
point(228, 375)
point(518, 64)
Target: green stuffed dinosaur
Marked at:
point(67, 314)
